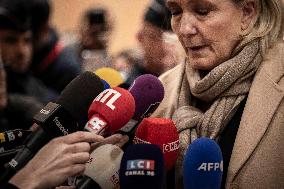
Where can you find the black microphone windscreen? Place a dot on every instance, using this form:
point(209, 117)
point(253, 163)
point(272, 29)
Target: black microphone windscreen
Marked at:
point(142, 166)
point(78, 95)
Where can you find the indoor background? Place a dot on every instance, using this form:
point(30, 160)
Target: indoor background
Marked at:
point(126, 15)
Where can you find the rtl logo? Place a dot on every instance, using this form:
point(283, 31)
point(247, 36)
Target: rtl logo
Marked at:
point(109, 97)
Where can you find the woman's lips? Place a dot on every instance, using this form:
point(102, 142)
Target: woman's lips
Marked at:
point(196, 50)
point(196, 47)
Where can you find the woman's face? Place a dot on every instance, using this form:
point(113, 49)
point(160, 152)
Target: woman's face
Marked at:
point(209, 30)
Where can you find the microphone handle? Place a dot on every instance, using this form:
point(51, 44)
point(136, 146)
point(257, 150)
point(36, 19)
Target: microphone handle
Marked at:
point(34, 142)
point(87, 183)
point(130, 128)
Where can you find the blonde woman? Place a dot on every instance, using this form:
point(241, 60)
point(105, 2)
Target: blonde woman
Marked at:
point(230, 87)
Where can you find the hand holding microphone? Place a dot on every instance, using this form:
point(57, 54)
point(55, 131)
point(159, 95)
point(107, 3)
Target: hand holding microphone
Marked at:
point(61, 158)
point(58, 119)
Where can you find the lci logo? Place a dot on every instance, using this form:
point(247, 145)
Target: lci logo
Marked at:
point(140, 167)
point(140, 164)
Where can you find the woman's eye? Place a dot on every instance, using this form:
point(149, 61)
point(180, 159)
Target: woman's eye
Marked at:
point(202, 12)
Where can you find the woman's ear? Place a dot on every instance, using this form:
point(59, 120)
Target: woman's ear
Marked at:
point(249, 12)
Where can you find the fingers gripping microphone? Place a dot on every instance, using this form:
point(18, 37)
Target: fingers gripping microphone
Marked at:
point(162, 132)
point(110, 110)
point(148, 92)
point(102, 168)
point(203, 165)
point(57, 119)
point(142, 166)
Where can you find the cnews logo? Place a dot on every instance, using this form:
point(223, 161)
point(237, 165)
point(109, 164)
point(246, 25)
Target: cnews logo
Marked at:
point(171, 146)
point(211, 166)
point(140, 164)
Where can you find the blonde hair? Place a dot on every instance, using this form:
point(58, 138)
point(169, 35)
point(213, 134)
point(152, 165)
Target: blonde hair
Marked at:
point(266, 26)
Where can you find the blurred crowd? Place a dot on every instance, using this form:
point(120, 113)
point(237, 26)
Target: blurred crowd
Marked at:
point(36, 65)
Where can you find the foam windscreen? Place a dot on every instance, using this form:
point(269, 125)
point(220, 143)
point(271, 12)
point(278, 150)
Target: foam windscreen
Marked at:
point(162, 132)
point(142, 167)
point(103, 166)
point(203, 165)
point(148, 92)
point(116, 106)
point(87, 86)
point(110, 75)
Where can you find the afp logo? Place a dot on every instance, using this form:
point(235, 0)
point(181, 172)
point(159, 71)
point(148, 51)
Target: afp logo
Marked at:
point(140, 164)
point(211, 166)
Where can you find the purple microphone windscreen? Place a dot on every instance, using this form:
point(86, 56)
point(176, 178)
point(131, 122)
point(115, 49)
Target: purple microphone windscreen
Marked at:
point(148, 92)
point(79, 94)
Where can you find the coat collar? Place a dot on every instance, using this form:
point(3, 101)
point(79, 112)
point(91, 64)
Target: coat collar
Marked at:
point(265, 92)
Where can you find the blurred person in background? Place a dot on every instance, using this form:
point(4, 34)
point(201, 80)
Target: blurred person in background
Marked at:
point(174, 52)
point(150, 37)
point(52, 63)
point(128, 63)
point(22, 93)
point(92, 47)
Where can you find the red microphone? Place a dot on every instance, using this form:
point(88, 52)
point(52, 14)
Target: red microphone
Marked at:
point(162, 132)
point(110, 111)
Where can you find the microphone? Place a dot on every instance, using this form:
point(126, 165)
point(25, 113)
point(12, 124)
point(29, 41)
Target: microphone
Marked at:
point(110, 75)
point(162, 132)
point(142, 166)
point(57, 119)
point(110, 110)
point(148, 92)
point(106, 85)
point(102, 168)
point(12, 139)
point(203, 165)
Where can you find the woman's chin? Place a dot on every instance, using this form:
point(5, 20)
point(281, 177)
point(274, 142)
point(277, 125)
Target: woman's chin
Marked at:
point(201, 64)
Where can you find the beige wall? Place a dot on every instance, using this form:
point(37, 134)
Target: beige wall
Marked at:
point(127, 16)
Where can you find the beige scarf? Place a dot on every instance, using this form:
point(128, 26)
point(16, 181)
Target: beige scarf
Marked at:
point(223, 88)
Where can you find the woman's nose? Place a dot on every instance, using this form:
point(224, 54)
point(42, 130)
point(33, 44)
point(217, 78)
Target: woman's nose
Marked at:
point(187, 25)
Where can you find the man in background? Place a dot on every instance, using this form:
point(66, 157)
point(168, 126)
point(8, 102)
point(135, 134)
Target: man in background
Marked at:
point(25, 94)
point(92, 47)
point(53, 64)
